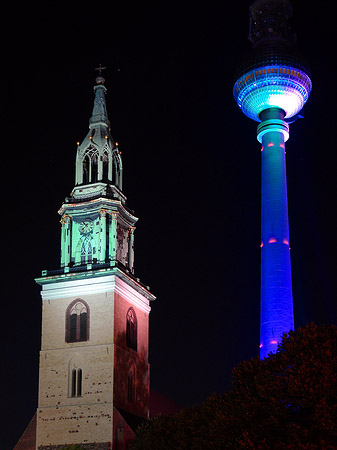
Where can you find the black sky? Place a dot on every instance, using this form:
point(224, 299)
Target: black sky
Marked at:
point(191, 173)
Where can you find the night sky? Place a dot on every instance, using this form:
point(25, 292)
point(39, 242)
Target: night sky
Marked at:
point(191, 174)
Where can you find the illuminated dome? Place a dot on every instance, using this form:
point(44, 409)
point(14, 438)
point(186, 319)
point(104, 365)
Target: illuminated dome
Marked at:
point(272, 84)
point(273, 74)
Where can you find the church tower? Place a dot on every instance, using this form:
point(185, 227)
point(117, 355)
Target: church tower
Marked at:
point(94, 371)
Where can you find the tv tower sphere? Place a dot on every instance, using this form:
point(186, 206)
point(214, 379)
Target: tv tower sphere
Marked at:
point(272, 85)
point(273, 75)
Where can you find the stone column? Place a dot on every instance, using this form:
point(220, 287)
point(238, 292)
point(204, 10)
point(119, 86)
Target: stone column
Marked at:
point(113, 236)
point(65, 240)
point(102, 235)
point(131, 248)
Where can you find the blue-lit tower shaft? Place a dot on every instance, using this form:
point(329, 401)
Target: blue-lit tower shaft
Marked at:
point(276, 287)
point(271, 86)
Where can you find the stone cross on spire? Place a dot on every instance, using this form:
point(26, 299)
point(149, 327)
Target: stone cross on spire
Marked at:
point(98, 158)
point(100, 68)
point(100, 79)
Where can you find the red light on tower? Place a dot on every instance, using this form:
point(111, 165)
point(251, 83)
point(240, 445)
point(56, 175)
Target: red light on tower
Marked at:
point(272, 85)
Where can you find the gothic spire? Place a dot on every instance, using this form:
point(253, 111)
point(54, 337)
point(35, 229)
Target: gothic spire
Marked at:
point(98, 159)
point(99, 113)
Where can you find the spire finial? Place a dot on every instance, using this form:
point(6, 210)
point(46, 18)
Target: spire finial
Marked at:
point(100, 79)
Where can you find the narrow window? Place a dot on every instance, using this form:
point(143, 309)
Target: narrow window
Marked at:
point(76, 383)
point(86, 251)
point(83, 326)
point(73, 382)
point(77, 321)
point(73, 325)
point(86, 169)
point(94, 168)
point(131, 329)
point(105, 167)
point(89, 253)
point(79, 382)
point(83, 253)
point(75, 376)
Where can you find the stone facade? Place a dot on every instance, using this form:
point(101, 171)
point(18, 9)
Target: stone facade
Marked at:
point(92, 446)
point(94, 370)
point(112, 374)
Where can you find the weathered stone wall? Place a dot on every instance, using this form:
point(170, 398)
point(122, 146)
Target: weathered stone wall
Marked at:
point(61, 418)
point(101, 321)
point(91, 446)
point(105, 360)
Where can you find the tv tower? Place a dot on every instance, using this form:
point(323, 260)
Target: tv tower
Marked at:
point(272, 86)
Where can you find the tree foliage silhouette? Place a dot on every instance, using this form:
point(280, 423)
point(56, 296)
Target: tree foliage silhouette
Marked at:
point(286, 401)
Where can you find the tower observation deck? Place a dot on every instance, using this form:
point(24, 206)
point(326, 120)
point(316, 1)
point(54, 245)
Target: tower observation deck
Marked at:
point(271, 86)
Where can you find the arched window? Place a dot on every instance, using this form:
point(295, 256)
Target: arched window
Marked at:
point(86, 251)
point(77, 321)
point(90, 165)
point(94, 168)
point(117, 168)
point(131, 329)
point(106, 164)
point(75, 376)
point(86, 169)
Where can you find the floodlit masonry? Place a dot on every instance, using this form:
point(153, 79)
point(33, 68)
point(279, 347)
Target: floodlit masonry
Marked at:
point(94, 373)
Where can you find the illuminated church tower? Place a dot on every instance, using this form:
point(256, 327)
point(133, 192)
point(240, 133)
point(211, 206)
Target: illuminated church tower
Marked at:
point(94, 371)
point(272, 86)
